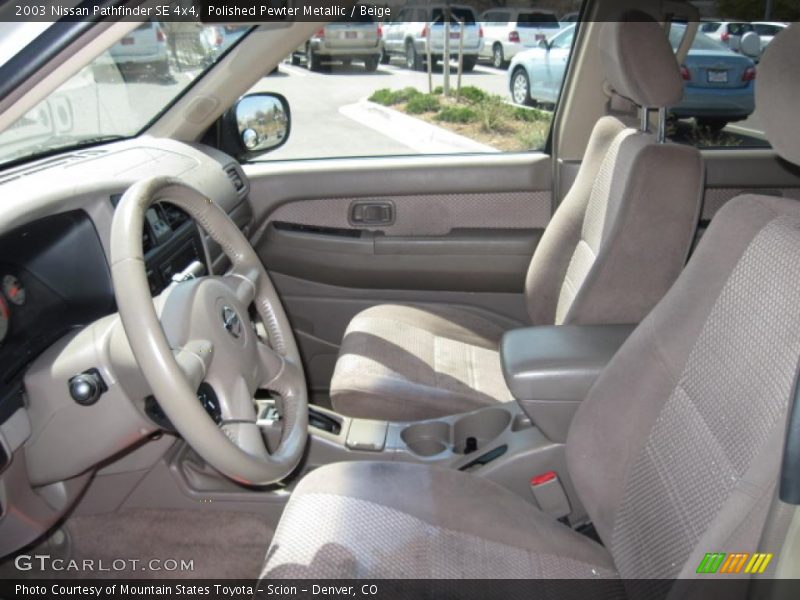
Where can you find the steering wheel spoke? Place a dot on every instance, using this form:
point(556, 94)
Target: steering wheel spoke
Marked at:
point(244, 283)
point(247, 437)
point(194, 359)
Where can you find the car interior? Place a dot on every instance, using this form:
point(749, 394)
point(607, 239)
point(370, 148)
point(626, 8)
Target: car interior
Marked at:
point(572, 363)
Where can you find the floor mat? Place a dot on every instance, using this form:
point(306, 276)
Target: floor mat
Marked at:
point(213, 544)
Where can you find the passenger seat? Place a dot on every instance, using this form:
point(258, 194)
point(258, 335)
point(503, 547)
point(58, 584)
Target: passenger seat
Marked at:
point(613, 248)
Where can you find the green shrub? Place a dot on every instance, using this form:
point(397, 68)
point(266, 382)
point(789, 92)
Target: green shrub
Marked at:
point(438, 90)
point(422, 103)
point(384, 97)
point(406, 94)
point(388, 97)
point(472, 94)
point(531, 115)
point(457, 114)
point(492, 112)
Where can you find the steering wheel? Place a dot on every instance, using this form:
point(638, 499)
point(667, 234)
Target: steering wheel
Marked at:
point(202, 333)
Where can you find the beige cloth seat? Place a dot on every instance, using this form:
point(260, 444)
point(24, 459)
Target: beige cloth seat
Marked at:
point(703, 385)
point(613, 248)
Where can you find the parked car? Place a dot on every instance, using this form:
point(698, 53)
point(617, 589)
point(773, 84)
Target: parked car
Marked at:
point(718, 84)
point(507, 31)
point(343, 41)
point(144, 48)
point(407, 36)
point(728, 33)
point(535, 75)
point(767, 31)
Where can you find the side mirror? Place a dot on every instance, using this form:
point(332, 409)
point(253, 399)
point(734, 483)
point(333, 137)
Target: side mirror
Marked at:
point(256, 124)
point(750, 44)
point(544, 45)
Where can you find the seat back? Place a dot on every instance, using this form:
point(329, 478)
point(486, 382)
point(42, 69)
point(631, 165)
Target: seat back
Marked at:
point(676, 452)
point(621, 236)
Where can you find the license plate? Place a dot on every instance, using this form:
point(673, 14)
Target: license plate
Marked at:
point(350, 35)
point(717, 76)
point(127, 41)
point(455, 35)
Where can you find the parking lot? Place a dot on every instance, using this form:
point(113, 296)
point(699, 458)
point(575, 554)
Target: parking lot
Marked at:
point(327, 109)
point(325, 118)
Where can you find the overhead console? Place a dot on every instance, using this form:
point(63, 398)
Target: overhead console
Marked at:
point(551, 369)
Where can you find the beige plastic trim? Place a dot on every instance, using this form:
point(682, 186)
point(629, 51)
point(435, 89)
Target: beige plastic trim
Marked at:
point(193, 320)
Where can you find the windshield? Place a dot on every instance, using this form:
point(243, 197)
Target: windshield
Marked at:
point(122, 91)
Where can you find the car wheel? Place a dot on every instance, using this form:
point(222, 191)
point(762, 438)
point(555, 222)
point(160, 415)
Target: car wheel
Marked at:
point(371, 63)
point(712, 124)
point(521, 87)
point(498, 58)
point(295, 60)
point(312, 60)
point(385, 58)
point(346, 62)
point(468, 63)
point(413, 60)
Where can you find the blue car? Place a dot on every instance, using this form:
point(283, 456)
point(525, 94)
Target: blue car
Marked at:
point(718, 83)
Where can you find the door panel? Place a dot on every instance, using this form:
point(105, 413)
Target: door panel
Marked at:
point(462, 233)
point(731, 173)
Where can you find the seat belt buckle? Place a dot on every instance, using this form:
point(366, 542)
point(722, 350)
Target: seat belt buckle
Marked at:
point(549, 494)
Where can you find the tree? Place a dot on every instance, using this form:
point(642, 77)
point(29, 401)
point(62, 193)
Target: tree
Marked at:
point(754, 10)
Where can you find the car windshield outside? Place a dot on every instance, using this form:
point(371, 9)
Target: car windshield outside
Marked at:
point(122, 91)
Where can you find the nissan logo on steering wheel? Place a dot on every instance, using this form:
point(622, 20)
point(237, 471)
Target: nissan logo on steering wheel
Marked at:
point(231, 322)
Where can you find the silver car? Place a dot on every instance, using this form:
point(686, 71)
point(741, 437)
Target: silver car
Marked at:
point(344, 42)
point(407, 36)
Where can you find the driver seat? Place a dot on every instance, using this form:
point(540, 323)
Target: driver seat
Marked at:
point(676, 451)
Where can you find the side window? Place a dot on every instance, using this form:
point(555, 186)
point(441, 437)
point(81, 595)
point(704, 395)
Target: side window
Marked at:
point(718, 105)
point(363, 89)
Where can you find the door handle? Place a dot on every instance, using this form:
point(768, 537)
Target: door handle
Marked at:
point(371, 213)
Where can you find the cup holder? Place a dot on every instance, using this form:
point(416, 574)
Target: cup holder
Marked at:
point(474, 431)
point(428, 438)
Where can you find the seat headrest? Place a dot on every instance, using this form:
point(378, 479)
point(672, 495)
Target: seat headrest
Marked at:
point(777, 93)
point(639, 61)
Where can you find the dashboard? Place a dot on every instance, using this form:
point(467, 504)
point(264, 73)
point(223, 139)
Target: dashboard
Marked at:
point(54, 278)
point(58, 312)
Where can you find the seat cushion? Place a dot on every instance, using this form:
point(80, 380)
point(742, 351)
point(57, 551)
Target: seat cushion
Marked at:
point(394, 520)
point(404, 363)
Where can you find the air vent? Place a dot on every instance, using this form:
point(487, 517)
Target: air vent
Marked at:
point(236, 179)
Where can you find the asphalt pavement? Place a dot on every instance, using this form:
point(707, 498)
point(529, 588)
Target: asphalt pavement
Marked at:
point(319, 127)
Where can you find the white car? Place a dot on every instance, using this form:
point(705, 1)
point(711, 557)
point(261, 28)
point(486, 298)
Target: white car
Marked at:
point(143, 48)
point(728, 33)
point(535, 75)
point(767, 30)
point(416, 26)
point(507, 31)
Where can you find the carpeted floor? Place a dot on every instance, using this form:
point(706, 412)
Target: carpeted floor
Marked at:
point(228, 545)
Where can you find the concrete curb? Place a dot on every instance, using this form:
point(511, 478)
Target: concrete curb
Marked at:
point(414, 133)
